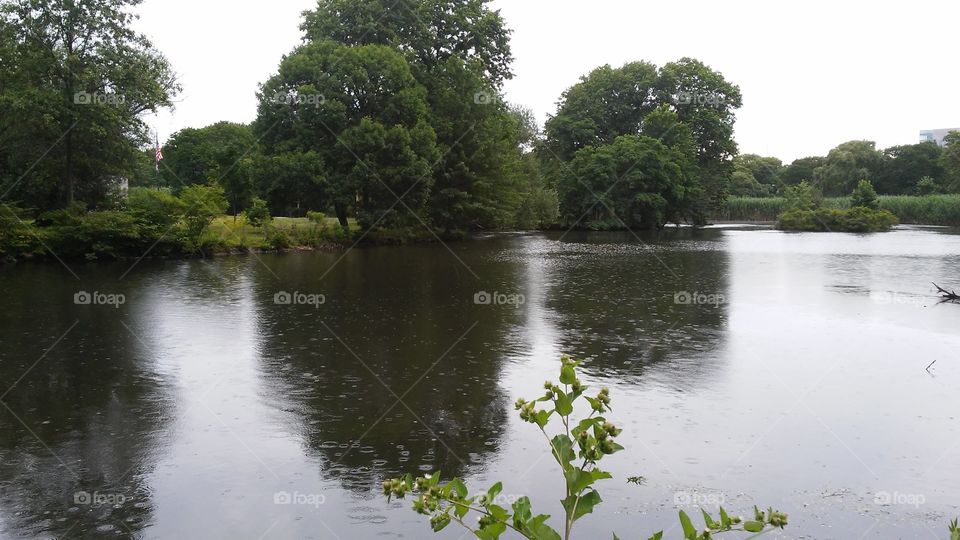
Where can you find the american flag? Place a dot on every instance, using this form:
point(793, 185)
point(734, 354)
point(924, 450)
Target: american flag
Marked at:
point(159, 155)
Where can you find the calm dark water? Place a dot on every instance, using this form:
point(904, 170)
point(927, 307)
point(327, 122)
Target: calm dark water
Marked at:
point(795, 377)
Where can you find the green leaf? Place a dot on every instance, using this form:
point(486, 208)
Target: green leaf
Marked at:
point(563, 450)
point(460, 510)
point(567, 374)
point(711, 524)
point(492, 531)
point(457, 485)
point(577, 480)
point(499, 513)
point(543, 417)
point(521, 512)
point(564, 405)
point(753, 526)
point(493, 492)
point(725, 520)
point(657, 536)
point(584, 505)
point(689, 531)
point(542, 531)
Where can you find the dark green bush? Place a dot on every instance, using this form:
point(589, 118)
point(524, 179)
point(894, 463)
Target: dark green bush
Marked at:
point(858, 219)
point(258, 212)
point(17, 235)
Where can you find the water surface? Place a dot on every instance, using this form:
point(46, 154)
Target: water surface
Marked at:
point(795, 377)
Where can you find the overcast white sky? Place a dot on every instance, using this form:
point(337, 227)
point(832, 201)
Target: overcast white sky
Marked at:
point(813, 74)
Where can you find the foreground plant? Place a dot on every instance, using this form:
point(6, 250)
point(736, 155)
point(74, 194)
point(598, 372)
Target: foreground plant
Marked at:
point(578, 449)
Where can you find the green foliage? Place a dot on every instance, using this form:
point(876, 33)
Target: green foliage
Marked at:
point(847, 164)
point(202, 204)
point(578, 448)
point(257, 213)
point(76, 77)
point(213, 154)
point(904, 166)
point(685, 105)
point(927, 186)
point(540, 209)
point(950, 161)
point(802, 196)
point(155, 208)
point(856, 219)
point(928, 210)
point(317, 217)
point(371, 155)
point(864, 196)
point(17, 236)
point(800, 170)
point(278, 238)
point(93, 235)
point(640, 182)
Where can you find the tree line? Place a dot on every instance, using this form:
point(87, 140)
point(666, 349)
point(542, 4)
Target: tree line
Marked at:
point(912, 169)
point(388, 113)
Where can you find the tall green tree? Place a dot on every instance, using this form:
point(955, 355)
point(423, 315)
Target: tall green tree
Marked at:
point(905, 165)
point(360, 110)
point(606, 103)
point(75, 83)
point(431, 32)
point(220, 153)
point(950, 161)
point(683, 101)
point(459, 51)
point(800, 170)
point(636, 181)
point(846, 165)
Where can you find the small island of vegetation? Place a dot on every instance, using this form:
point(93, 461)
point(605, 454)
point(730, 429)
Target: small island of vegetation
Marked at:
point(805, 211)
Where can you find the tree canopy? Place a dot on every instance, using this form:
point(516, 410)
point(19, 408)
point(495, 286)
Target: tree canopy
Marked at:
point(75, 83)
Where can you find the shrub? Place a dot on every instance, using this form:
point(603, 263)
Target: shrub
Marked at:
point(317, 217)
point(578, 449)
point(857, 219)
point(17, 235)
point(278, 238)
point(93, 235)
point(927, 186)
point(540, 209)
point(202, 204)
point(864, 196)
point(802, 196)
point(155, 208)
point(258, 212)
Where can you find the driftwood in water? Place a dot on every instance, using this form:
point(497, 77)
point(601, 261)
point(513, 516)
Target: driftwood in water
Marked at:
point(947, 296)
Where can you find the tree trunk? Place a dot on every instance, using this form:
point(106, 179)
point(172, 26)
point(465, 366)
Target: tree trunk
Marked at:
point(341, 211)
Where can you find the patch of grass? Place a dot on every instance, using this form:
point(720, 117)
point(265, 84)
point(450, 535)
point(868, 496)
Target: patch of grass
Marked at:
point(228, 233)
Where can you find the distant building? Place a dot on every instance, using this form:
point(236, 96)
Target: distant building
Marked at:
point(936, 135)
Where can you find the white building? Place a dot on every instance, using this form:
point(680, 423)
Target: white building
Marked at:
point(936, 135)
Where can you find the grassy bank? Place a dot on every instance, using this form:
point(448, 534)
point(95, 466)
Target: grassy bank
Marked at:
point(926, 210)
